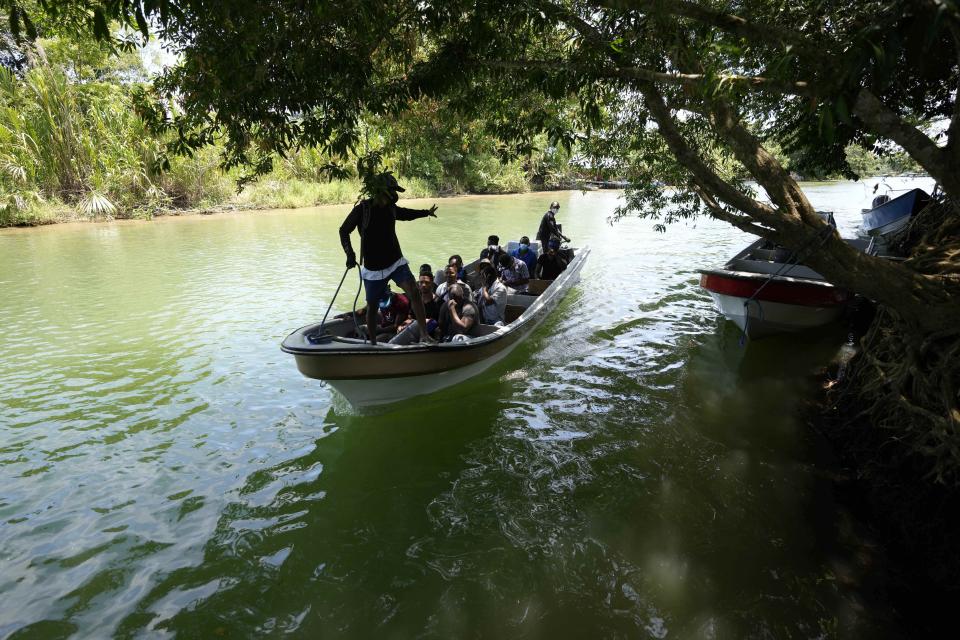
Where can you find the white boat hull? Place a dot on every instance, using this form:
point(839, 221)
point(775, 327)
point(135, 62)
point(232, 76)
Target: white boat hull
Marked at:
point(370, 393)
point(761, 318)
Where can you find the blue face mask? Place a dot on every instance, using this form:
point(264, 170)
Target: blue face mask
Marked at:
point(524, 247)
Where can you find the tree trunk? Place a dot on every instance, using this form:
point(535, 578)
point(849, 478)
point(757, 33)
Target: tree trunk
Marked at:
point(939, 162)
point(928, 304)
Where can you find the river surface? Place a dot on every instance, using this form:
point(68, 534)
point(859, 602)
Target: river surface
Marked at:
point(631, 470)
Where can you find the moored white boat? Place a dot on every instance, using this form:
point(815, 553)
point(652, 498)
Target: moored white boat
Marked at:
point(368, 375)
point(763, 294)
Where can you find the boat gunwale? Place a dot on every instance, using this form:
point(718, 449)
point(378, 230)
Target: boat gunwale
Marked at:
point(751, 275)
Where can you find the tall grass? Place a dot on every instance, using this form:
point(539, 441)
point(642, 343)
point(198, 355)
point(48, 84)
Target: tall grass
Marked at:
point(73, 149)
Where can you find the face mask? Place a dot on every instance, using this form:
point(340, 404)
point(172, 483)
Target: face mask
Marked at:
point(492, 248)
point(524, 247)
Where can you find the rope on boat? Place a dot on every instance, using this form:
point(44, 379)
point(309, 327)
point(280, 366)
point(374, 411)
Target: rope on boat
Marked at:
point(787, 264)
point(319, 336)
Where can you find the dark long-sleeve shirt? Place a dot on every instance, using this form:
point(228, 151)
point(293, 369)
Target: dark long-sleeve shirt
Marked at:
point(548, 228)
point(379, 241)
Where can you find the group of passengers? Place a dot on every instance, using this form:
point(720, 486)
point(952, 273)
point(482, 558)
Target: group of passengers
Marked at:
point(443, 302)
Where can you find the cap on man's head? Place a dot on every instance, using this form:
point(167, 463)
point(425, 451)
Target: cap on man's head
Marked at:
point(391, 182)
point(426, 270)
point(493, 240)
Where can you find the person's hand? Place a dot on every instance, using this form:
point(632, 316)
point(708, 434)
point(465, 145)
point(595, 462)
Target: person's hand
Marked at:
point(566, 239)
point(451, 304)
point(432, 211)
point(351, 260)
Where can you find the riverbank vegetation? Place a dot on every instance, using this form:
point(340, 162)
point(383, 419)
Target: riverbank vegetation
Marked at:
point(72, 147)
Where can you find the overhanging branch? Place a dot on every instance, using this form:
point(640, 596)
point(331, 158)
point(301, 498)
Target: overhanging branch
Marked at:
point(703, 174)
point(698, 80)
point(743, 223)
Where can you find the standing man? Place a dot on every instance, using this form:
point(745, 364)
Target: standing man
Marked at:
point(380, 254)
point(548, 227)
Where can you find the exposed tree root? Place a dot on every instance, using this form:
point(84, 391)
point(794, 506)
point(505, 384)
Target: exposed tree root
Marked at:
point(894, 418)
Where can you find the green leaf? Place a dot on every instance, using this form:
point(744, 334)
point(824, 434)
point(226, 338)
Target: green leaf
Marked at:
point(101, 30)
point(840, 107)
point(15, 20)
point(142, 22)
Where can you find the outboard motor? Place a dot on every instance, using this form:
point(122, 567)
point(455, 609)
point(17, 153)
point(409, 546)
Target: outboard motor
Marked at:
point(879, 201)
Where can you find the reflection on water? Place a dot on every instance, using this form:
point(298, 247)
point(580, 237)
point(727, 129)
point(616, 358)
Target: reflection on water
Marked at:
point(630, 470)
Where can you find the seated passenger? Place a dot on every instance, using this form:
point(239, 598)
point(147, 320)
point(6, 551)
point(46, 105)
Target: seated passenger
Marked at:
point(551, 264)
point(493, 251)
point(458, 317)
point(514, 273)
point(457, 261)
point(492, 296)
point(410, 331)
point(450, 278)
point(525, 253)
point(392, 312)
point(394, 309)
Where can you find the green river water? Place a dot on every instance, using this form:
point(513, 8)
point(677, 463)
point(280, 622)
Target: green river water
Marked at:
point(629, 471)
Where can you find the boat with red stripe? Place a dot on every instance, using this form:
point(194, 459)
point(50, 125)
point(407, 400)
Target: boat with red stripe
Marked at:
point(763, 291)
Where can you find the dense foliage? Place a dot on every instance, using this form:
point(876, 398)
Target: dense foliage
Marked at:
point(72, 144)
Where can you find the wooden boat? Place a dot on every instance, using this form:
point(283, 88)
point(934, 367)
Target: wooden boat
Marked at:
point(763, 294)
point(368, 375)
point(887, 216)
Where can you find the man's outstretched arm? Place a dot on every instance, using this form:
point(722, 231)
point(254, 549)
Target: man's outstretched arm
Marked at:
point(413, 214)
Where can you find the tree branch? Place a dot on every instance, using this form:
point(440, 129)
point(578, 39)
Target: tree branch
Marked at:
point(886, 122)
point(762, 165)
point(704, 175)
point(648, 75)
point(743, 223)
point(953, 131)
point(766, 33)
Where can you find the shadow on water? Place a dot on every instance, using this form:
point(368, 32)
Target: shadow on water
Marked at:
point(324, 542)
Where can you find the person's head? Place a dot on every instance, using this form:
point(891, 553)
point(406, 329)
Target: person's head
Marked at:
point(485, 253)
point(425, 283)
point(493, 241)
point(456, 260)
point(524, 245)
point(505, 261)
point(450, 273)
point(487, 273)
point(456, 293)
point(386, 300)
point(383, 187)
point(553, 245)
point(554, 206)
point(426, 269)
